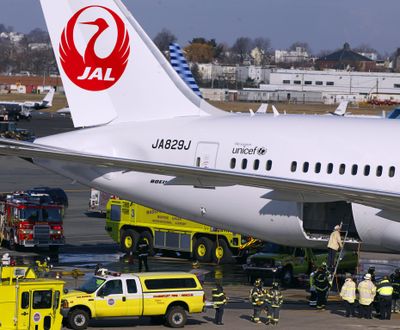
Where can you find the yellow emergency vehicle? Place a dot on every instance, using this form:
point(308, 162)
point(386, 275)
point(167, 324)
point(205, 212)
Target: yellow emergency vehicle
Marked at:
point(27, 302)
point(128, 222)
point(169, 296)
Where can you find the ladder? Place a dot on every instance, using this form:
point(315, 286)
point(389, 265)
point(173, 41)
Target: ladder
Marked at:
point(339, 259)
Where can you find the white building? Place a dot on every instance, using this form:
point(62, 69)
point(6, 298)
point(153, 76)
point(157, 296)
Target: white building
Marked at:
point(292, 56)
point(331, 83)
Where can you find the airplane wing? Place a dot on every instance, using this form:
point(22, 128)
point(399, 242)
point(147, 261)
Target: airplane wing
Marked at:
point(296, 190)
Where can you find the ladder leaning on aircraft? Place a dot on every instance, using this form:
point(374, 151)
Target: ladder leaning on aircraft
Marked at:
point(278, 178)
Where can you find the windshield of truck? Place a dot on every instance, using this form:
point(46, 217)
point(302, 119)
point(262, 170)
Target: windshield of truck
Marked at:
point(92, 284)
point(51, 214)
point(30, 214)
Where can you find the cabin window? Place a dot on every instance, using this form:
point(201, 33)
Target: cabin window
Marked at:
point(233, 163)
point(25, 300)
point(306, 165)
point(329, 168)
point(308, 82)
point(317, 167)
point(379, 170)
point(367, 170)
point(244, 164)
point(256, 164)
point(330, 83)
point(42, 299)
point(297, 82)
point(269, 165)
point(392, 171)
point(286, 81)
point(319, 83)
point(342, 169)
point(293, 168)
point(354, 169)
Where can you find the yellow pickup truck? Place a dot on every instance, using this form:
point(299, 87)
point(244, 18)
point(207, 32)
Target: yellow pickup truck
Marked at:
point(166, 295)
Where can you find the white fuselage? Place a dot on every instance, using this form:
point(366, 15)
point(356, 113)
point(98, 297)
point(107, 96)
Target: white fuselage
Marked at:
point(263, 145)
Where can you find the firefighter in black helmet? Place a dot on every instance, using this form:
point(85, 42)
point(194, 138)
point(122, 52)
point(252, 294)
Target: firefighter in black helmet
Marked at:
point(257, 298)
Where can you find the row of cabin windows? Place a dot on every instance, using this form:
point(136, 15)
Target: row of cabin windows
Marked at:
point(342, 169)
point(245, 163)
point(308, 82)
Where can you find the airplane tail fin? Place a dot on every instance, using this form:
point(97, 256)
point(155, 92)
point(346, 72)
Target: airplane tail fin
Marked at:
point(111, 70)
point(48, 99)
point(179, 63)
point(341, 109)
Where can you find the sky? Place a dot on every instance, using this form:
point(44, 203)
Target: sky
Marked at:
point(323, 24)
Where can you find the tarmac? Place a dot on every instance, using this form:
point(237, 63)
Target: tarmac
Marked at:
point(88, 244)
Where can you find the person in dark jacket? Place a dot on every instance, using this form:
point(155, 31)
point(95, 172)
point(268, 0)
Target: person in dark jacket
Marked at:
point(321, 282)
point(395, 280)
point(219, 301)
point(274, 301)
point(385, 291)
point(143, 253)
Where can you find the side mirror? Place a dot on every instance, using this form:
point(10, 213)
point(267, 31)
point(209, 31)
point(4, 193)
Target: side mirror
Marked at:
point(66, 291)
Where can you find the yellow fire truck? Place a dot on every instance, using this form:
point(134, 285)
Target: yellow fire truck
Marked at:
point(128, 222)
point(27, 302)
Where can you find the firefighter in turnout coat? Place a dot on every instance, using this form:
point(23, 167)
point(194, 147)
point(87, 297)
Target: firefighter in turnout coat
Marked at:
point(257, 298)
point(274, 300)
point(219, 302)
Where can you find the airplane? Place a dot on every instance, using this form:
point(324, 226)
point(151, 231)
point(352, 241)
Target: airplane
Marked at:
point(22, 110)
point(146, 136)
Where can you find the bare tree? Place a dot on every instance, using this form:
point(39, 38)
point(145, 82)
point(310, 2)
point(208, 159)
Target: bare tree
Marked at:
point(262, 43)
point(242, 47)
point(301, 44)
point(163, 39)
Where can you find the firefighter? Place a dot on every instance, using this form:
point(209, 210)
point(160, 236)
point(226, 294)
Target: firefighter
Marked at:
point(367, 291)
point(322, 286)
point(274, 300)
point(219, 301)
point(257, 298)
point(334, 244)
point(313, 292)
point(143, 253)
point(348, 294)
point(395, 280)
point(385, 291)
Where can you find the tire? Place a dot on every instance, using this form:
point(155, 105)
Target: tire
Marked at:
point(287, 277)
point(221, 253)
point(202, 249)
point(129, 240)
point(149, 238)
point(176, 317)
point(78, 319)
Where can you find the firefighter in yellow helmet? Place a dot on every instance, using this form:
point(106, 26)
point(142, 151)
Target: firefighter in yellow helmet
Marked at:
point(257, 299)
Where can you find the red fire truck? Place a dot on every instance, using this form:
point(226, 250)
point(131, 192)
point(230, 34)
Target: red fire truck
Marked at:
point(31, 220)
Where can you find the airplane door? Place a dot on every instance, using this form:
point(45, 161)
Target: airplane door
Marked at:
point(206, 154)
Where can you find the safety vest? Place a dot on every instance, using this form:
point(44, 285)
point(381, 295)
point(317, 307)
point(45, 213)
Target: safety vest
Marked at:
point(218, 298)
point(385, 289)
point(348, 291)
point(367, 291)
point(257, 296)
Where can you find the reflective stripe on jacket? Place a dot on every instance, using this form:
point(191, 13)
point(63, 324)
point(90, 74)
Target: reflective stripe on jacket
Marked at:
point(274, 298)
point(385, 288)
point(257, 296)
point(367, 291)
point(218, 298)
point(348, 291)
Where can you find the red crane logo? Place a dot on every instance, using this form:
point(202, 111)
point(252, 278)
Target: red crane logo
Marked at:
point(90, 71)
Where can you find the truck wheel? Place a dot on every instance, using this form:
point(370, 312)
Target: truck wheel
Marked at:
point(146, 235)
point(129, 240)
point(176, 317)
point(78, 319)
point(202, 249)
point(221, 253)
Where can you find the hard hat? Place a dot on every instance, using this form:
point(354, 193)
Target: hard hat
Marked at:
point(323, 264)
point(258, 282)
point(337, 227)
point(195, 264)
point(275, 285)
point(397, 271)
point(348, 275)
point(367, 276)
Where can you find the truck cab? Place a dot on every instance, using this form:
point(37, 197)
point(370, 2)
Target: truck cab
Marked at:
point(29, 303)
point(163, 295)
